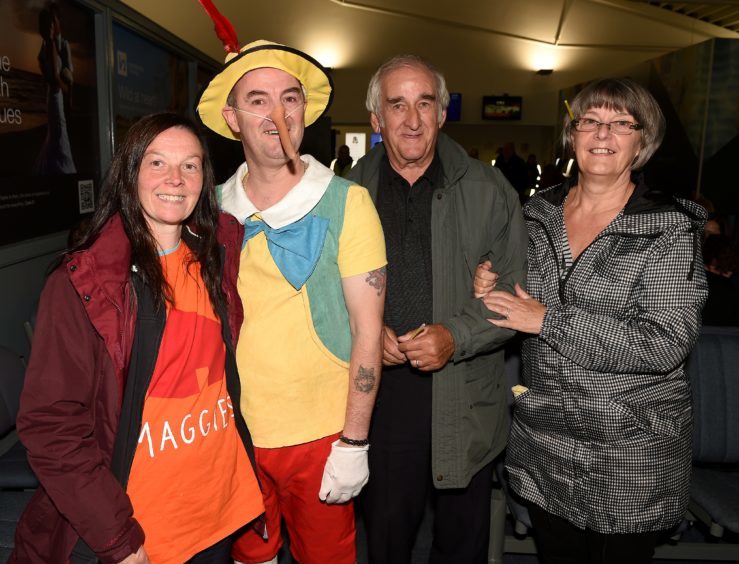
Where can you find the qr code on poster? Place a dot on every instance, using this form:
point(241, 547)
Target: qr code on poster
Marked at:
point(87, 196)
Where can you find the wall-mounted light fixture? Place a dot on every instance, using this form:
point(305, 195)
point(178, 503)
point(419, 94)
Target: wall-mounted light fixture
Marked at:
point(543, 59)
point(333, 50)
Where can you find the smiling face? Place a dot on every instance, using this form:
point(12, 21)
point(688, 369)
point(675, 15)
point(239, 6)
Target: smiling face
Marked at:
point(408, 118)
point(258, 92)
point(170, 180)
point(602, 153)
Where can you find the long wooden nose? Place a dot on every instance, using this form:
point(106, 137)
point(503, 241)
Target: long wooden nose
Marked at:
point(278, 117)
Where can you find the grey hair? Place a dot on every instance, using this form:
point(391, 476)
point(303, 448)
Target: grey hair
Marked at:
point(374, 91)
point(622, 94)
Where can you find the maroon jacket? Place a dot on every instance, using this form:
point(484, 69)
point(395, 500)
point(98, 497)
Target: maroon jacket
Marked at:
point(71, 401)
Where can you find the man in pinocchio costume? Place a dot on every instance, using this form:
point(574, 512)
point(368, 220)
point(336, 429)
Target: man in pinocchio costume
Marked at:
point(312, 283)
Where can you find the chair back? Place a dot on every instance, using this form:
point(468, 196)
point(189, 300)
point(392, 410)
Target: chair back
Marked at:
point(11, 383)
point(713, 367)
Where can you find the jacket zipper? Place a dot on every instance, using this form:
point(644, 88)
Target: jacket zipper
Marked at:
point(551, 243)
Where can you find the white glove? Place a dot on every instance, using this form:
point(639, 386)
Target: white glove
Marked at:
point(345, 474)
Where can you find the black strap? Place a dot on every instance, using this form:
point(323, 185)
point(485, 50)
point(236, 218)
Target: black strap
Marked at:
point(148, 333)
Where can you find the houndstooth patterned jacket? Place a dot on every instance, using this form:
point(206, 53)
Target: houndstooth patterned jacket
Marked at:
point(603, 436)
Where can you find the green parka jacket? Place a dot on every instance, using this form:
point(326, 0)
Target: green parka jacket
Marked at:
point(476, 215)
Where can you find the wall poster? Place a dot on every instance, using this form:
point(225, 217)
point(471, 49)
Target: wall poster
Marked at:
point(49, 146)
point(147, 79)
point(357, 143)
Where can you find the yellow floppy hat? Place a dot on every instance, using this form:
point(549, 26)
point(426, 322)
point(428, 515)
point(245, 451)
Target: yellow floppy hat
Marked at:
point(259, 54)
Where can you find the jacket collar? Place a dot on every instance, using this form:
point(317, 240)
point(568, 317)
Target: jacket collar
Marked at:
point(109, 256)
point(454, 160)
point(643, 200)
point(454, 163)
point(300, 200)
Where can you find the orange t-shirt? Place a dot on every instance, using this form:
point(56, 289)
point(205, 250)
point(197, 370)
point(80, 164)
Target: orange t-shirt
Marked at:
point(191, 482)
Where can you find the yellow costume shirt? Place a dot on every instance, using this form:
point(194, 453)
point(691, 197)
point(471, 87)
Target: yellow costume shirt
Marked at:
point(293, 389)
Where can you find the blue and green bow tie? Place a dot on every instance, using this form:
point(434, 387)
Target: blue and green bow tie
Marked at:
point(295, 248)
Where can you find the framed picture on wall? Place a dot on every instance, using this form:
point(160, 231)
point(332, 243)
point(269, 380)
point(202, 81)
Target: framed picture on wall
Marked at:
point(502, 108)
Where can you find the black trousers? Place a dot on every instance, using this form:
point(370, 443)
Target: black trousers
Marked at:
point(559, 542)
point(395, 499)
point(219, 553)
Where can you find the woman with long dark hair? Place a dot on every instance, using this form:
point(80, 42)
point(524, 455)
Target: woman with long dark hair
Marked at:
point(128, 406)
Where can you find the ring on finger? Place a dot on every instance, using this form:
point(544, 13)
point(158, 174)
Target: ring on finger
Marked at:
point(507, 312)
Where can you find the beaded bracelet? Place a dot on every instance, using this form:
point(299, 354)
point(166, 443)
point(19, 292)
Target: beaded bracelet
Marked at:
point(353, 442)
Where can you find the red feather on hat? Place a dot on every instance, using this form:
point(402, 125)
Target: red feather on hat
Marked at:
point(224, 30)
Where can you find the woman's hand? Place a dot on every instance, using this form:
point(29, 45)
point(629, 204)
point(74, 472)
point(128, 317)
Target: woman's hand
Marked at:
point(521, 312)
point(139, 557)
point(485, 279)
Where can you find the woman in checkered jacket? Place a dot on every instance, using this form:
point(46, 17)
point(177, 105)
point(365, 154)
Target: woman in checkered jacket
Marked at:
point(600, 446)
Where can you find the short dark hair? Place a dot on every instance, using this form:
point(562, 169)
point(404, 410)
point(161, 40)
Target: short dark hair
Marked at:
point(119, 195)
point(622, 94)
point(720, 253)
point(45, 19)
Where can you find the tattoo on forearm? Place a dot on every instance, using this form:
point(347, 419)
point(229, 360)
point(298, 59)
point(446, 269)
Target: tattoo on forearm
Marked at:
point(376, 279)
point(364, 381)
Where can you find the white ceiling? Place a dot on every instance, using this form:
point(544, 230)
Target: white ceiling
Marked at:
point(483, 46)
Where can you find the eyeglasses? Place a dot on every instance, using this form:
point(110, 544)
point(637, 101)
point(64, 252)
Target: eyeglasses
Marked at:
point(619, 127)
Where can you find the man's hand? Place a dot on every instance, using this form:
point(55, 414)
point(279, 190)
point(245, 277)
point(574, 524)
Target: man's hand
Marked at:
point(485, 279)
point(139, 557)
point(430, 350)
point(345, 474)
point(391, 354)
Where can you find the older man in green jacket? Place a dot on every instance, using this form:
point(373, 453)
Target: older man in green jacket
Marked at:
point(441, 414)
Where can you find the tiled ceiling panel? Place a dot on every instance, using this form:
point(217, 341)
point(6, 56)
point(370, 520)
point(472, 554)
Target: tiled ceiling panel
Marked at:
point(722, 13)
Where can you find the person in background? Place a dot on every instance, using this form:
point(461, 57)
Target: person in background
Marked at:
point(312, 280)
point(127, 411)
point(514, 169)
point(532, 175)
point(721, 259)
point(714, 226)
point(600, 445)
point(441, 415)
point(344, 161)
point(550, 176)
